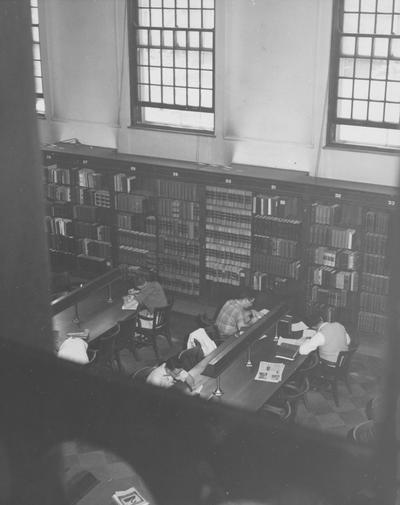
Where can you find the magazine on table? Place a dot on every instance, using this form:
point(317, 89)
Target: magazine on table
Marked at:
point(270, 372)
point(129, 497)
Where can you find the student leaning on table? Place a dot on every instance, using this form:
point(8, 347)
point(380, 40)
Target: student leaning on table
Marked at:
point(173, 370)
point(330, 339)
point(237, 314)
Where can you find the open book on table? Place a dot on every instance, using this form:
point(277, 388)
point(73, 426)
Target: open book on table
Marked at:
point(270, 372)
point(129, 497)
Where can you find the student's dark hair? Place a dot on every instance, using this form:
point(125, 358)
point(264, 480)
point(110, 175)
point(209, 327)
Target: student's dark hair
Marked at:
point(173, 362)
point(140, 280)
point(246, 293)
point(183, 387)
point(314, 318)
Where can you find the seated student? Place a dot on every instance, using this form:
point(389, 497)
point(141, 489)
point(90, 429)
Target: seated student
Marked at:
point(74, 348)
point(149, 295)
point(237, 314)
point(330, 339)
point(171, 371)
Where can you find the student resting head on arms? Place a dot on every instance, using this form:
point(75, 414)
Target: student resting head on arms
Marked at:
point(170, 372)
point(237, 314)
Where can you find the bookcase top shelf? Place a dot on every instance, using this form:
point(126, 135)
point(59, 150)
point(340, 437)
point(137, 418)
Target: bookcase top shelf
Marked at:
point(247, 176)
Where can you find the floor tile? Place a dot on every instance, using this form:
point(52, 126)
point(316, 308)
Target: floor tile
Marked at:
point(330, 420)
point(352, 417)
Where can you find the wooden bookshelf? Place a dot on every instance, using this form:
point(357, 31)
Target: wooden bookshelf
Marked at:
point(204, 229)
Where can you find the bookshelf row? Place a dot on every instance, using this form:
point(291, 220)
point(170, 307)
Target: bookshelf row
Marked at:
point(199, 230)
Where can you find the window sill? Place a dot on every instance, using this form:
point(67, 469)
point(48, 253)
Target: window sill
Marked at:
point(362, 149)
point(171, 129)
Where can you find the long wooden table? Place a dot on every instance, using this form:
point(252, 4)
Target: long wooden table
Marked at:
point(237, 381)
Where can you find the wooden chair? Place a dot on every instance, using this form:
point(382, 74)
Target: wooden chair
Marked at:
point(142, 374)
point(289, 393)
point(125, 337)
point(281, 412)
point(303, 375)
point(160, 322)
point(332, 374)
point(107, 355)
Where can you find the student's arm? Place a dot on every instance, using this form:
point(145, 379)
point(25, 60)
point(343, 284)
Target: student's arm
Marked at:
point(312, 343)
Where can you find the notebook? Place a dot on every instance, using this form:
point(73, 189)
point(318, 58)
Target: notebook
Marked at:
point(287, 351)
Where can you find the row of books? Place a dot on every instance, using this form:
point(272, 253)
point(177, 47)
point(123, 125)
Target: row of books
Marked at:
point(351, 215)
point(375, 283)
point(325, 214)
point(233, 245)
point(136, 256)
point(139, 203)
point(282, 267)
point(59, 226)
point(226, 232)
point(243, 223)
point(59, 209)
point(275, 246)
point(227, 197)
point(372, 323)
point(374, 264)
point(339, 258)
point(61, 243)
point(332, 278)
point(178, 209)
point(377, 222)
point(327, 296)
point(277, 227)
point(124, 183)
point(277, 206)
point(375, 243)
point(169, 226)
point(180, 285)
point(178, 190)
point(262, 281)
point(372, 302)
point(59, 193)
point(138, 222)
point(231, 256)
point(137, 239)
point(96, 197)
point(86, 213)
point(333, 236)
point(180, 247)
point(57, 175)
point(179, 266)
point(94, 231)
point(225, 273)
point(88, 178)
point(97, 248)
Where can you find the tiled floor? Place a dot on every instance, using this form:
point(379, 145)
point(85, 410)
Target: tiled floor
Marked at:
point(321, 412)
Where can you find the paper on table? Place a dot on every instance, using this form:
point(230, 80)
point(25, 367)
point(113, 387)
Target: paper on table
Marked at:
point(308, 333)
point(300, 326)
point(292, 341)
point(129, 497)
point(263, 312)
point(130, 304)
point(269, 372)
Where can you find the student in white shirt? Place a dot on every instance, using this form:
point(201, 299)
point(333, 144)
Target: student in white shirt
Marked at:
point(330, 339)
point(168, 373)
point(74, 349)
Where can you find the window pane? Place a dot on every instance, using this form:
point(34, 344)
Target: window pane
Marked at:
point(392, 113)
point(375, 111)
point(144, 93)
point(169, 3)
point(40, 108)
point(37, 69)
point(361, 89)
point(345, 88)
point(368, 5)
point(346, 67)
point(348, 45)
point(362, 68)
point(168, 76)
point(182, 3)
point(144, 17)
point(206, 98)
point(383, 24)
point(381, 47)
point(169, 18)
point(35, 34)
point(194, 78)
point(193, 59)
point(180, 96)
point(155, 57)
point(143, 75)
point(168, 57)
point(385, 5)
point(351, 5)
point(396, 25)
point(180, 38)
point(155, 75)
point(36, 51)
point(142, 37)
point(193, 97)
point(394, 70)
point(35, 15)
point(395, 48)
point(168, 94)
point(206, 79)
point(156, 17)
point(206, 60)
point(180, 77)
point(155, 93)
point(367, 23)
point(344, 109)
point(393, 92)
point(378, 70)
point(180, 59)
point(155, 36)
point(377, 90)
point(195, 19)
point(156, 3)
point(208, 4)
point(182, 18)
point(168, 38)
point(364, 46)
point(39, 85)
point(208, 19)
point(143, 56)
point(207, 40)
point(194, 39)
point(359, 110)
point(195, 4)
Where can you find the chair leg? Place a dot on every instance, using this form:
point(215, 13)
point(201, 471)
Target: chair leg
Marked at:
point(335, 392)
point(154, 343)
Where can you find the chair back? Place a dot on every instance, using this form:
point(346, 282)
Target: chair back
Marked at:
point(126, 331)
point(161, 316)
point(107, 342)
point(343, 361)
point(142, 374)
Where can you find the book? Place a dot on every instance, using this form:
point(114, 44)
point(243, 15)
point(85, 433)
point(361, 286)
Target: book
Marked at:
point(287, 351)
point(129, 497)
point(269, 372)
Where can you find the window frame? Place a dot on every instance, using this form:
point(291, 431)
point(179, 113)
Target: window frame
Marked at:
point(136, 105)
point(38, 43)
point(332, 120)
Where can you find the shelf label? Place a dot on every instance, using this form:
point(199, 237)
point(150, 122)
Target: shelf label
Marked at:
point(84, 162)
point(338, 195)
point(228, 181)
point(175, 174)
point(133, 169)
point(391, 203)
point(273, 186)
point(49, 157)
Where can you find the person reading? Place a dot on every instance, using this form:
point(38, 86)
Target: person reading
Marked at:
point(330, 339)
point(237, 314)
point(148, 295)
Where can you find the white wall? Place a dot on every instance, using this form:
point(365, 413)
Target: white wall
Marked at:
point(272, 66)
